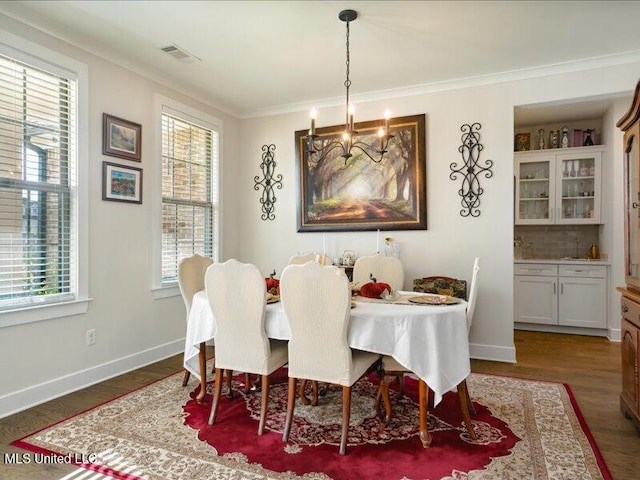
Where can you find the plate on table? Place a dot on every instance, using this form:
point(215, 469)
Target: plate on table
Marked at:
point(432, 299)
point(272, 298)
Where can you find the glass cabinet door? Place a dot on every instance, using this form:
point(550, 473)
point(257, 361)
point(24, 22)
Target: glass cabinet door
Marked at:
point(534, 189)
point(579, 186)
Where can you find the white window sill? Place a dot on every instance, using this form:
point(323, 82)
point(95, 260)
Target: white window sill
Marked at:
point(40, 313)
point(165, 292)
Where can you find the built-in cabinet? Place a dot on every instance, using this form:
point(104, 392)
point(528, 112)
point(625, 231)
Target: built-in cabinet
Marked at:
point(559, 186)
point(570, 295)
point(630, 301)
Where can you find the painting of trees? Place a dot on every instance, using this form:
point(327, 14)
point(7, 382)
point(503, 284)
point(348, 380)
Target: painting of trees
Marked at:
point(358, 193)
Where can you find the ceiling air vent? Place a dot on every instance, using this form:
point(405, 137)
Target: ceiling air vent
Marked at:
point(179, 53)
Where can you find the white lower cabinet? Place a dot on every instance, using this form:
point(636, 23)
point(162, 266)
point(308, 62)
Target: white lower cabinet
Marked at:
point(567, 295)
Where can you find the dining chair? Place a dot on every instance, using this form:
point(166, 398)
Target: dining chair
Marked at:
point(392, 368)
point(237, 296)
point(384, 269)
point(317, 302)
point(191, 272)
point(303, 258)
point(322, 259)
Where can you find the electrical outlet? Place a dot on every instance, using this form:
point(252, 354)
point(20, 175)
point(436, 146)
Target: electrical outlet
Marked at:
point(91, 337)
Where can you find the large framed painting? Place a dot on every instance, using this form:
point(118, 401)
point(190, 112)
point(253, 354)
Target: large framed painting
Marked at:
point(360, 194)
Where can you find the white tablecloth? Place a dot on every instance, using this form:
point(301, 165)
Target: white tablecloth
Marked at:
point(430, 340)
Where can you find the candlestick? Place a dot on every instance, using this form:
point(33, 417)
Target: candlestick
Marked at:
point(378, 242)
point(314, 112)
point(352, 111)
point(324, 243)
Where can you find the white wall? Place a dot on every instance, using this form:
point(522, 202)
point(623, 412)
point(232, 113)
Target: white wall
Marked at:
point(45, 359)
point(451, 241)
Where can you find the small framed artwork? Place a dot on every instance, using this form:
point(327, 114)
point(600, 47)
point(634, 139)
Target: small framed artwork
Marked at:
point(121, 138)
point(522, 142)
point(121, 183)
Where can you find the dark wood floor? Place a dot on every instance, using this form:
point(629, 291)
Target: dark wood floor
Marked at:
point(590, 365)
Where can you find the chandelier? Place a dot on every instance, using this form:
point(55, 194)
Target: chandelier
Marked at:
point(317, 150)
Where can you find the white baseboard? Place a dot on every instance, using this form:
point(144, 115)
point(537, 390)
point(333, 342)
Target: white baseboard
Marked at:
point(492, 352)
point(614, 334)
point(19, 400)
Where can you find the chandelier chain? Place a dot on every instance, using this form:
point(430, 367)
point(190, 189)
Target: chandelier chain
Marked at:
point(347, 82)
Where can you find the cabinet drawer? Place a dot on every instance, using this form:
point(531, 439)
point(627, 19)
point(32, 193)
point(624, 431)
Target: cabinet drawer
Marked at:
point(540, 269)
point(630, 311)
point(583, 271)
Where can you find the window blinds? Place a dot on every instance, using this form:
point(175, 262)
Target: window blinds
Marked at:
point(37, 185)
point(189, 193)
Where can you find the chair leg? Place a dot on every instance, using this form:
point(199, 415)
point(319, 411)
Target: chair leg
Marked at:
point(472, 408)
point(229, 389)
point(217, 390)
point(301, 392)
point(383, 396)
point(202, 363)
point(346, 414)
point(400, 377)
point(291, 403)
point(463, 398)
point(423, 395)
point(185, 378)
point(265, 403)
point(247, 384)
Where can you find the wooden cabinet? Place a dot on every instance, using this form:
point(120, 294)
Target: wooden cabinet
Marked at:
point(630, 302)
point(565, 295)
point(560, 186)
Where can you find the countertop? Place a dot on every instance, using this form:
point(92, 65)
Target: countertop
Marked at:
point(561, 261)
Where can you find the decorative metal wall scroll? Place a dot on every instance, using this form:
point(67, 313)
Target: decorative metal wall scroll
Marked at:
point(470, 169)
point(268, 182)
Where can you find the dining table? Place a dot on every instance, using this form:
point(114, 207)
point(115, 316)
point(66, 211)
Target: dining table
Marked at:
point(430, 340)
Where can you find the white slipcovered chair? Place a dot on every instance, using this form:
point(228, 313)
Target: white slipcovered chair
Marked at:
point(191, 272)
point(392, 367)
point(383, 269)
point(237, 295)
point(317, 302)
point(320, 258)
point(302, 258)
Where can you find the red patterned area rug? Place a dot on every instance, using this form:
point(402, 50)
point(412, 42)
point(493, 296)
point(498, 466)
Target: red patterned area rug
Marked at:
point(526, 430)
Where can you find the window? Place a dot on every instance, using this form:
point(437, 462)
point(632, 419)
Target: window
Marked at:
point(190, 210)
point(38, 183)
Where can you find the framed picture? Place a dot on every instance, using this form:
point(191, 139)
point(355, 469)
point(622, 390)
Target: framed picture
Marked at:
point(360, 194)
point(121, 183)
point(121, 138)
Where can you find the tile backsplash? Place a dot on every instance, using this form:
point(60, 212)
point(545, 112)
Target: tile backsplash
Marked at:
point(554, 241)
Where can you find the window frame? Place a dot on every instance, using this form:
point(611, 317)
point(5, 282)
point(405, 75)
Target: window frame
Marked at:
point(172, 107)
point(38, 56)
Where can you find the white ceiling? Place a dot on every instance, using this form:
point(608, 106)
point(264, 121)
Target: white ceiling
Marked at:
point(261, 57)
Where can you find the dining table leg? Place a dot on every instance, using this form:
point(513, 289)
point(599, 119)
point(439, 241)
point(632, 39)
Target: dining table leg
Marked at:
point(423, 395)
point(202, 360)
